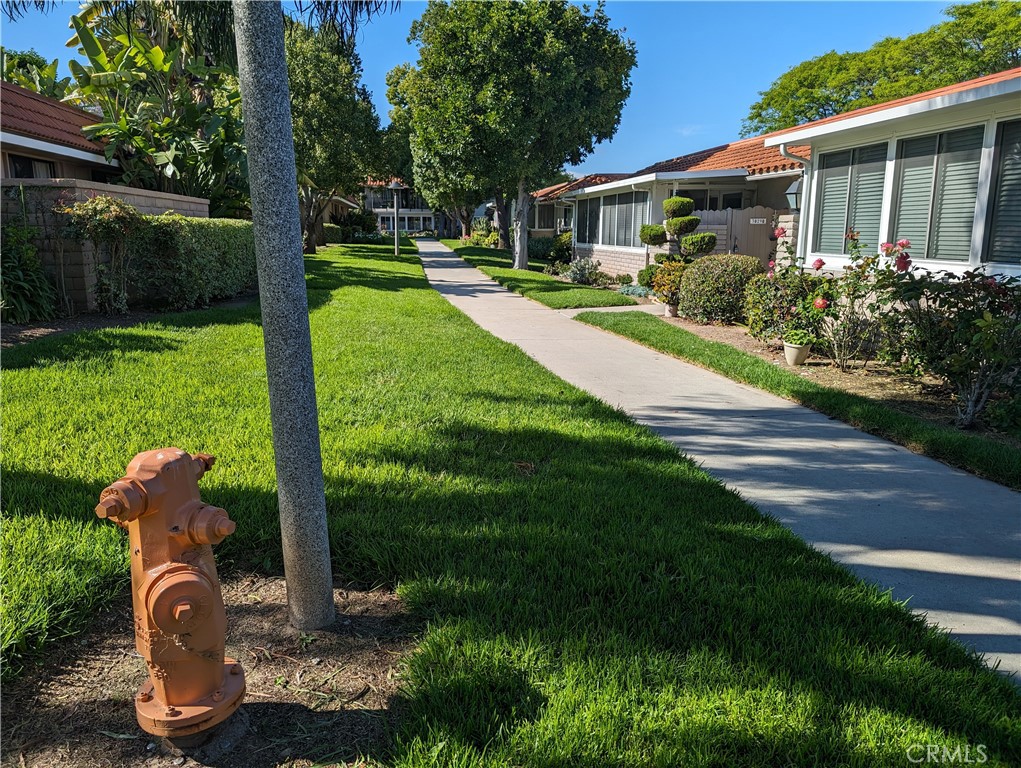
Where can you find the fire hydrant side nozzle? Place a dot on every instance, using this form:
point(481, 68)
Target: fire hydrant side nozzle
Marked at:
point(180, 622)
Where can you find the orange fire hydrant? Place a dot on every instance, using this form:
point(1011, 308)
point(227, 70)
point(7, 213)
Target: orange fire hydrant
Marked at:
point(180, 624)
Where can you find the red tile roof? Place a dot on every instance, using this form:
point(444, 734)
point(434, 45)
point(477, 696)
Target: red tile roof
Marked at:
point(591, 180)
point(26, 113)
point(749, 154)
point(967, 85)
point(382, 182)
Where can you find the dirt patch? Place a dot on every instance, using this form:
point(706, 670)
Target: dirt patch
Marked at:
point(313, 698)
point(923, 396)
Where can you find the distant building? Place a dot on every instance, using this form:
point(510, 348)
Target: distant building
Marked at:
point(415, 214)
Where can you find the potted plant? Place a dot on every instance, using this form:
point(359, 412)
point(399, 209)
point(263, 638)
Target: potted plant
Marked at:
point(797, 345)
point(666, 284)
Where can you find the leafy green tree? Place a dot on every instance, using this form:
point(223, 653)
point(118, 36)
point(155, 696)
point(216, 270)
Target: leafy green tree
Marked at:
point(336, 130)
point(506, 94)
point(978, 39)
point(30, 70)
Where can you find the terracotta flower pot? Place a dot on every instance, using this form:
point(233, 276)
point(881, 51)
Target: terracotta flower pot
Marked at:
point(796, 354)
point(671, 310)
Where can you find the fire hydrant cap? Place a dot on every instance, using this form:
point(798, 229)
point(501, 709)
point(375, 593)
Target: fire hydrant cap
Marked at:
point(179, 599)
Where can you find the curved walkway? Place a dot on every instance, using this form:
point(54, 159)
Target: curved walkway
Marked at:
point(948, 541)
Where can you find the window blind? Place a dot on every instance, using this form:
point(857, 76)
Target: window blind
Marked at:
point(609, 219)
point(834, 176)
point(868, 174)
point(1005, 225)
point(914, 192)
point(956, 189)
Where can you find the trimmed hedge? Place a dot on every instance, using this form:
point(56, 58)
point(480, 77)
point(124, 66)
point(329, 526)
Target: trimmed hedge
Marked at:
point(180, 262)
point(652, 234)
point(332, 233)
point(563, 248)
point(539, 247)
point(645, 275)
point(682, 225)
point(700, 242)
point(675, 207)
point(713, 287)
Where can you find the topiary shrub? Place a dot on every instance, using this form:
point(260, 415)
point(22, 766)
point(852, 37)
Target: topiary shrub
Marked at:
point(682, 225)
point(698, 243)
point(646, 274)
point(652, 234)
point(674, 207)
point(713, 288)
point(26, 293)
point(181, 262)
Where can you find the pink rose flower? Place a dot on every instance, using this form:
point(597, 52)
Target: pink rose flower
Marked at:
point(902, 262)
point(851, 235)
point(818, 264)
point(772, 264)
point(820, 303)
point(769, 274)
point(903, 244)
point(887, 248)
point(779, 232)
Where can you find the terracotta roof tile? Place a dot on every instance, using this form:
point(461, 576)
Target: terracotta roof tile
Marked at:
point(592, 179)
point(749, 154)
point(27, 113)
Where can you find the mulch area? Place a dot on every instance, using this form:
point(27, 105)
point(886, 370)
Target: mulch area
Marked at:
point(323, 697)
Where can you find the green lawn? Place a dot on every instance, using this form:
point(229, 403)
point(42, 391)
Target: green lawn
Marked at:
point(590, 598)
point(975, 453)
point(544, 289)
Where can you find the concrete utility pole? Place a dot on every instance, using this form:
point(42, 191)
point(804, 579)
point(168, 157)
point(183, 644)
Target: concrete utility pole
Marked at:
point(396, 188)
point(265, 103)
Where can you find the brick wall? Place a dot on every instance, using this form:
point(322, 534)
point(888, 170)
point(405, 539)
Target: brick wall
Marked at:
point(71, 264)
point(614, 261)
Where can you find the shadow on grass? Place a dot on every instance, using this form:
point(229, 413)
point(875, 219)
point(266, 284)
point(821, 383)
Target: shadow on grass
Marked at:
point(151, 336)
point(536, 553)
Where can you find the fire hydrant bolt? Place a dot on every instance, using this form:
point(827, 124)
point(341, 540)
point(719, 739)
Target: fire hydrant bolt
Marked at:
point(183, 610)
point(180, 623)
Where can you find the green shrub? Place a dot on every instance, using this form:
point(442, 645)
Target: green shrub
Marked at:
point(673, 207)
point(539, 247)
point(584, 272)
point(26, 293)
point(652, 234)
point(624, 279)
point(109, 223)
point(645, 275)
point(965, 329)
point(182, 262)
point(713, 287)
point(772, 301)
point(667, 281)
point(683, 225)
point(700, 242)
point(563, 248)
point(333, 233)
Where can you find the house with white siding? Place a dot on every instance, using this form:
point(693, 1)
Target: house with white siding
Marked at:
point(941, 169)
point(740, 193)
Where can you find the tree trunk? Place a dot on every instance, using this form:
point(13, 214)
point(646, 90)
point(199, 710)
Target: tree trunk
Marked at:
point(501, 220)
point(464, 216)
point(262, 70)
point(521, 226)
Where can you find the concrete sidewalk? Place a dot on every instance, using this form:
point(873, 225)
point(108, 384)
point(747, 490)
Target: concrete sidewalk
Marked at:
point(949, 541)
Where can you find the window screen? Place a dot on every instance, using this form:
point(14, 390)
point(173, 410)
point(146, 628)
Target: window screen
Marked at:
point(1005, 217)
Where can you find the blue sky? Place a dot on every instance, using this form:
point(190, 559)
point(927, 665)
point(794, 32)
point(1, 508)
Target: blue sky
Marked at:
point(700, 64)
